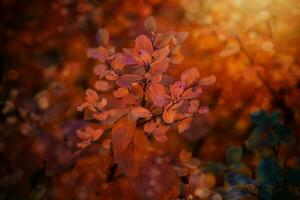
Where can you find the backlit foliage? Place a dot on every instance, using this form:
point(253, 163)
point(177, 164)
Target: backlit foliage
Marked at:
point(131, 142)
point(135, 99)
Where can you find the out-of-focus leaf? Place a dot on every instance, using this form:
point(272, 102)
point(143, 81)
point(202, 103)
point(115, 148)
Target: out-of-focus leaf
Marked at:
point(284, 133)
point(275, 118)
point(207, 80)
point(150, 24)
point(157, 179)
point(216, 168)
point(236, 166)
point(190, 76)
point(269, 172)
point(243, 192)
point(102, 36)
point(233, 178)
point(234, 154)
point(260, 118)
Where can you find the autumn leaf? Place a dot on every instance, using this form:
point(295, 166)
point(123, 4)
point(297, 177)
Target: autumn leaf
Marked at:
point(88, 136)
point(111, 75)
point(150, 24)
point(120, 92)
point(102, 86)
point(194, 106)
point(102, 36)
point(190, 76)
point(185, 156)
point(184, 125)
point(177, 89)
point(122, 134)
point(143, 45)
point(158, 130)
point(131, 159)
point(139, 112)
point(162, 40)
point(101, 116)
point(169, 116)
point(99, 53)
point(158, 95)
point(127, 79)
point(207, 80)
point(100, 70)
point(181, 37)
point(203, 109)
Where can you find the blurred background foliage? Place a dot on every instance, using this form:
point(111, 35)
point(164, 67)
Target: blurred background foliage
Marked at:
point(252, 46)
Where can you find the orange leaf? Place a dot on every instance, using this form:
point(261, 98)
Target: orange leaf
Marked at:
point(169, 116)
point(190, 76)
point(207, 80)
point(102, 86)
point(120, 92)
point(142, 42)
point(122, 134)
point(184, 125)
point(140, 112)
point(130, 160)
point(158, 94)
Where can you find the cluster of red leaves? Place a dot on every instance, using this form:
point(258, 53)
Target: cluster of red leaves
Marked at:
point(138, 98)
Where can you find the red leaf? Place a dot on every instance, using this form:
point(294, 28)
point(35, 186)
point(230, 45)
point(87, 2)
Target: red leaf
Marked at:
point(140, 112)
point(122, 134)
point(160, 66)
point(190, 76)
point(169, 116)
point(177, 89)
point(158, 95)
point(162, 40)
point(142, 42)
point(127, 79)
point(194, 106)
point(100, 53)
point(102, 86)
point(207, 80)
point(161, 54)
point(203, 109)
point(150, 24)
point(120, 92)
point(130, 160)
point(185, 156)
point(181, 36)
point(100, 70)
point(184, 125)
